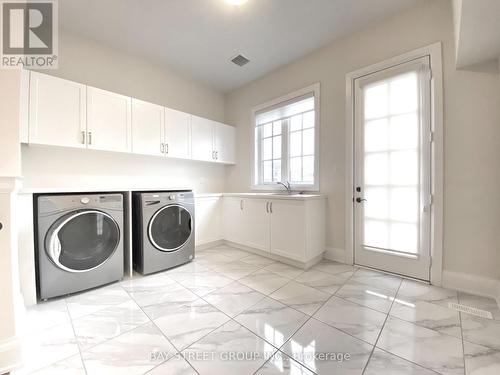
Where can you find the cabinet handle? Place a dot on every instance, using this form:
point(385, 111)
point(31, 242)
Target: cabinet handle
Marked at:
point(241, 204)
point(267, 207)
point(271, 207)
point(83, 137)
point(162, 148)
point(216, 155)
point(166, 148)
point(90, 138)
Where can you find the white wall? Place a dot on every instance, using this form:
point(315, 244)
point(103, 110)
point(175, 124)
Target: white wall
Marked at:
point(472, 130)
point(94, 64)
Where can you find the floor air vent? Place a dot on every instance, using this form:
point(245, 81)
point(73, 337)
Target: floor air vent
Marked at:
point(470, 310)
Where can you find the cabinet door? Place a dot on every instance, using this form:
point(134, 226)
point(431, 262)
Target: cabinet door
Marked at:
point(233, 219)
point(56, 111)
point(202, 139)
point(178, 134)
point(208, 220)
point(108, 121)
point(256, 224)
point(288, 225)
point(224, 143)
point(148, 124)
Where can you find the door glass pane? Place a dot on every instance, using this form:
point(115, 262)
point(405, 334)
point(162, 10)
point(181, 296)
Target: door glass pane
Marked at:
point(391, 170)
point(377, 234)
point(376, 101)
point(87, 240)
point(376, 169)
point(170, 228)
point(376, 135)
point(404, 132)
point(404, 93)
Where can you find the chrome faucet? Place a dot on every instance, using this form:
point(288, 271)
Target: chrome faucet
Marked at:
point(287, 186)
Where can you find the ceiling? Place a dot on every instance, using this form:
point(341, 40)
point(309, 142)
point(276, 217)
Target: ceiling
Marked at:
point(198, 37)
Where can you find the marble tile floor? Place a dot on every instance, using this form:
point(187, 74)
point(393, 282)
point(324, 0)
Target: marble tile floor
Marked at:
point(233, 312)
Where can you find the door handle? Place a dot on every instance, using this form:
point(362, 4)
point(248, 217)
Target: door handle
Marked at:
point(359, 200)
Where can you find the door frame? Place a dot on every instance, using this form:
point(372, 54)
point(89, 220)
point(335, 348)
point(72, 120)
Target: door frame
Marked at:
point(434, 51)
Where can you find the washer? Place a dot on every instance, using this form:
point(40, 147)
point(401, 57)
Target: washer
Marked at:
point(163, 230)
point(79, 242)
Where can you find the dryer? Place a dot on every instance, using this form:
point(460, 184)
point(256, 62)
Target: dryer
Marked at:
point(79, 242)
point(163, 230)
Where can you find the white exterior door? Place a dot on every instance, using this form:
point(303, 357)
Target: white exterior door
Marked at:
point(148, 126)
point(109, 122)
point(224, 142)
point(288, 237)
point(392, 198)
point(57, 112)
point(178, 134)
point(202, 139)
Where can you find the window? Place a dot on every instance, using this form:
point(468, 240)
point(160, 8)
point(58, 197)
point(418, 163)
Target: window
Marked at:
point(286, 141)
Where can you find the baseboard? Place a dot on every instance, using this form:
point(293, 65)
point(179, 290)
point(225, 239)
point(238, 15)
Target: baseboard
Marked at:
point(338, 255)
point(473, 284)
point(10, 355)
point(208, 245)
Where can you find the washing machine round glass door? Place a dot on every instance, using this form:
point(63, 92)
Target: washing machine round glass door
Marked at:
point(170, 227)
point(82, 240)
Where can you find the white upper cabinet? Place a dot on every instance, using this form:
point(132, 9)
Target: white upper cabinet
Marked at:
point(56, 111)
point(178, 134)
point(202, 139)
point(65, 113)
point(212, 141)
point(224, 143)
point(148, 127)
point(109, 124)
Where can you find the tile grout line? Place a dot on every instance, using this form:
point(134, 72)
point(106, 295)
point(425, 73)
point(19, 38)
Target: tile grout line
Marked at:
point(461, 333)
point(381, 330)
point(76, 339)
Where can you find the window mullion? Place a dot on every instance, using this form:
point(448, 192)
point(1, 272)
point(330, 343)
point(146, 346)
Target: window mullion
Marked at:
point(285, 125)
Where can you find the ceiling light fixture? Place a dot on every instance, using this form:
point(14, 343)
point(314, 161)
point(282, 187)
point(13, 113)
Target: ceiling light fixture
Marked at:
point(236, 2)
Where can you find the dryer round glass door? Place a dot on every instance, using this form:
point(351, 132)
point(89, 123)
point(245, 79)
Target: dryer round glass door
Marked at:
point(170, 228)
point(82, 240)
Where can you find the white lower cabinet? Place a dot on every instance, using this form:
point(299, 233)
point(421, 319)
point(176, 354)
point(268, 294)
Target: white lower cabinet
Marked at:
point(288, 229)
point(233, 219)
point(293, 229)
point(208, 220)
point(256, 228)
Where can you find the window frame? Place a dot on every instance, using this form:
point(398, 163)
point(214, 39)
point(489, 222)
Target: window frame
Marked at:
point(256, 177)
